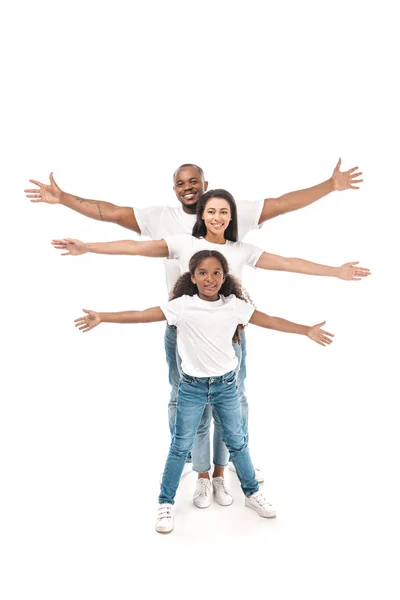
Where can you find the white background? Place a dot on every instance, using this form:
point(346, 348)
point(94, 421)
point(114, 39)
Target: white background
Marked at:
point(112, 97)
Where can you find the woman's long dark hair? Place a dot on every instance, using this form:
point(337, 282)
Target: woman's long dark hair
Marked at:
point(185, 286)
point(199, 229)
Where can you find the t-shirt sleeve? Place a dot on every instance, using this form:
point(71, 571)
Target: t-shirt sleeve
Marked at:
point(251, 253)
point(244, 311)
point(147, 218)
point(249, 213)
point(175, 244)
point(172, 310)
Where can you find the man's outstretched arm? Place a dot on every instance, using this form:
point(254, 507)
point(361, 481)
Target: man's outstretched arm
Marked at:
point(339, 181)
point(95, 209)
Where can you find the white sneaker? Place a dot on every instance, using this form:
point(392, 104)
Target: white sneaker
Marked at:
point(259, 473)
point(222, 495)
point(203, 493)
point(165, 520)
point(186, 470)
point(260, 504)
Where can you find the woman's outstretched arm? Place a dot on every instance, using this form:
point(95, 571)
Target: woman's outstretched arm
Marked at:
point(92, 318)
point(314, 332)
point(155, 248)
point(349, 271)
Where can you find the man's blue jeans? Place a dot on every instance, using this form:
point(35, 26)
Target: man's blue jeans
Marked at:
point(194, 394)
point(200, 455)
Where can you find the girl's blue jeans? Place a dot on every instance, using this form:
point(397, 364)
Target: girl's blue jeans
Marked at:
point(194, 394)
point(200, 455)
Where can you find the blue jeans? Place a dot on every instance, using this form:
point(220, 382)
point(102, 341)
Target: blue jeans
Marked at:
point(194, 394)
point(200, 455)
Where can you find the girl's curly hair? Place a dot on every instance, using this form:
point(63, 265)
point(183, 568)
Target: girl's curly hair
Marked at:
point(185, 286)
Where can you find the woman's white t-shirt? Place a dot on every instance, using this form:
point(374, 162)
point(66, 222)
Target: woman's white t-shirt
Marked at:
point(205, 331)
point(238, 254)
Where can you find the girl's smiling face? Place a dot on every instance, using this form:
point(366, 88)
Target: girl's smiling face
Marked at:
point(217, 215)
point(208, 277)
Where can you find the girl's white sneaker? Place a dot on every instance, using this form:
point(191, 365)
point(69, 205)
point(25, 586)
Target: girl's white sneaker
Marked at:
point(221, 492)
point(261, 505)
point(165, 520)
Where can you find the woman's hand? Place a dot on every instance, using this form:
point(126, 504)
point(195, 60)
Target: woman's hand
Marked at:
point(350, 272)
point(319, 335)
point(92, 319)
point(74, 247)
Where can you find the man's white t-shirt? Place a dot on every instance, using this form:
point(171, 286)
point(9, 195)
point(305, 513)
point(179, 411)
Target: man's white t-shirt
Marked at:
point(157, 222)
point(238, 254)
point(205, 331)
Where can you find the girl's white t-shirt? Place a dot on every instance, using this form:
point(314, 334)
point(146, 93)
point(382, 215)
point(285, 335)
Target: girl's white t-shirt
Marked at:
point(238, 254)
point(205, 331)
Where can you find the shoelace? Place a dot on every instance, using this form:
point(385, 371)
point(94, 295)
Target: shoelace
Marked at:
point(260, 499)
point(201, 486)
point(221, 486)
point(164, 511)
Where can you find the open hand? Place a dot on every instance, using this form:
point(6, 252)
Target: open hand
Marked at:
point(350, 272)
point(74, 247)
point(89, 321)
point(46, 193)
point(344, 180)
point(319, 335)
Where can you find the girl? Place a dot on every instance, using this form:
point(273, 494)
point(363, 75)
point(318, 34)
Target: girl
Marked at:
point(215, 229)
point(207, 307)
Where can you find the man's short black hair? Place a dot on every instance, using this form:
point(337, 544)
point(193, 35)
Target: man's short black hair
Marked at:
point(200, 170)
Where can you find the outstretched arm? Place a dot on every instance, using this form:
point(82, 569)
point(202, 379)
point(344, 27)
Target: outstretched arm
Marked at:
point(95, 209)
point(314, 332)
point(349, 271)
point(92, 318)
point(155, 248)
point(339, 181)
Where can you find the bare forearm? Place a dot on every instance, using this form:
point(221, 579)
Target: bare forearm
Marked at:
point(301, 198)
point(277, 324)
point(150, 315)
point(306, 267)
point(95, 209)
point(120, 247)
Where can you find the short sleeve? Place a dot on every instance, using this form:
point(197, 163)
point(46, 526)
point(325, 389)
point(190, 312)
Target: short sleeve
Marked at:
point(175, 244)
point(249, 213)
point(146, 218)
point(244, 311)
point(173, 310)
point(252, 254)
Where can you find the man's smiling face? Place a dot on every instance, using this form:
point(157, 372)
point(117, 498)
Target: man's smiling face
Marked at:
point(189, 185)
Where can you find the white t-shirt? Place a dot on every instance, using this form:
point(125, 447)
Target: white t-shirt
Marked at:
point(157, 222)
point(238, 254)
point(205, 331)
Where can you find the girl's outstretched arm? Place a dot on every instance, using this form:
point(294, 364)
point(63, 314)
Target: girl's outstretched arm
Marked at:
point(349, 271)
point(92, 318)
point(155, 248)
point(315, 332)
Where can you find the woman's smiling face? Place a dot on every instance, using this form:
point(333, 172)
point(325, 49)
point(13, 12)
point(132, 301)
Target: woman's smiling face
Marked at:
point(217, 215)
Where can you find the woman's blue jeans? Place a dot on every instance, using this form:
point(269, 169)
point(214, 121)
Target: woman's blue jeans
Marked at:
point(194, 394)
point(200, 454)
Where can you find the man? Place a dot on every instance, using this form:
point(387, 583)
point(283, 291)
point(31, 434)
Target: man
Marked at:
point(161, 221)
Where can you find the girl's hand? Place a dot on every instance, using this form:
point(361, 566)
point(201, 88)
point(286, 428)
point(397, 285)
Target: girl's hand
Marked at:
point(350, 272)
point(87, 323)
point(74, 247)
point(319, 335)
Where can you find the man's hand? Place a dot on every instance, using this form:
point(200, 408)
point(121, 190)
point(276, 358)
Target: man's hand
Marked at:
point(319, 335)
point(345, 180)
point(350, 272)
point(86, 323)
point(74, 247)
point(46, 193)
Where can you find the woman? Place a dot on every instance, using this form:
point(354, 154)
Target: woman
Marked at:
point(215, 229)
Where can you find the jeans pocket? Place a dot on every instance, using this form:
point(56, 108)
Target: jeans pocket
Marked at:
point(187, 379)
point(230, 378)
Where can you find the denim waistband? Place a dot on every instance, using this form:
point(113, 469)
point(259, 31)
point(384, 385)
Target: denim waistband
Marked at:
point(213, 379)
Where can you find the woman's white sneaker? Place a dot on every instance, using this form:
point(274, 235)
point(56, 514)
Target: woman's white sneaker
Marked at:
point(259, 473)
point(165, 520)
point(222, 494)
point(203, 493)
point(261, 505)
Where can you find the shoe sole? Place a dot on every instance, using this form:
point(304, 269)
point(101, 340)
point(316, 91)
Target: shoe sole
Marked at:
point(208, 505)
point(262, 516)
